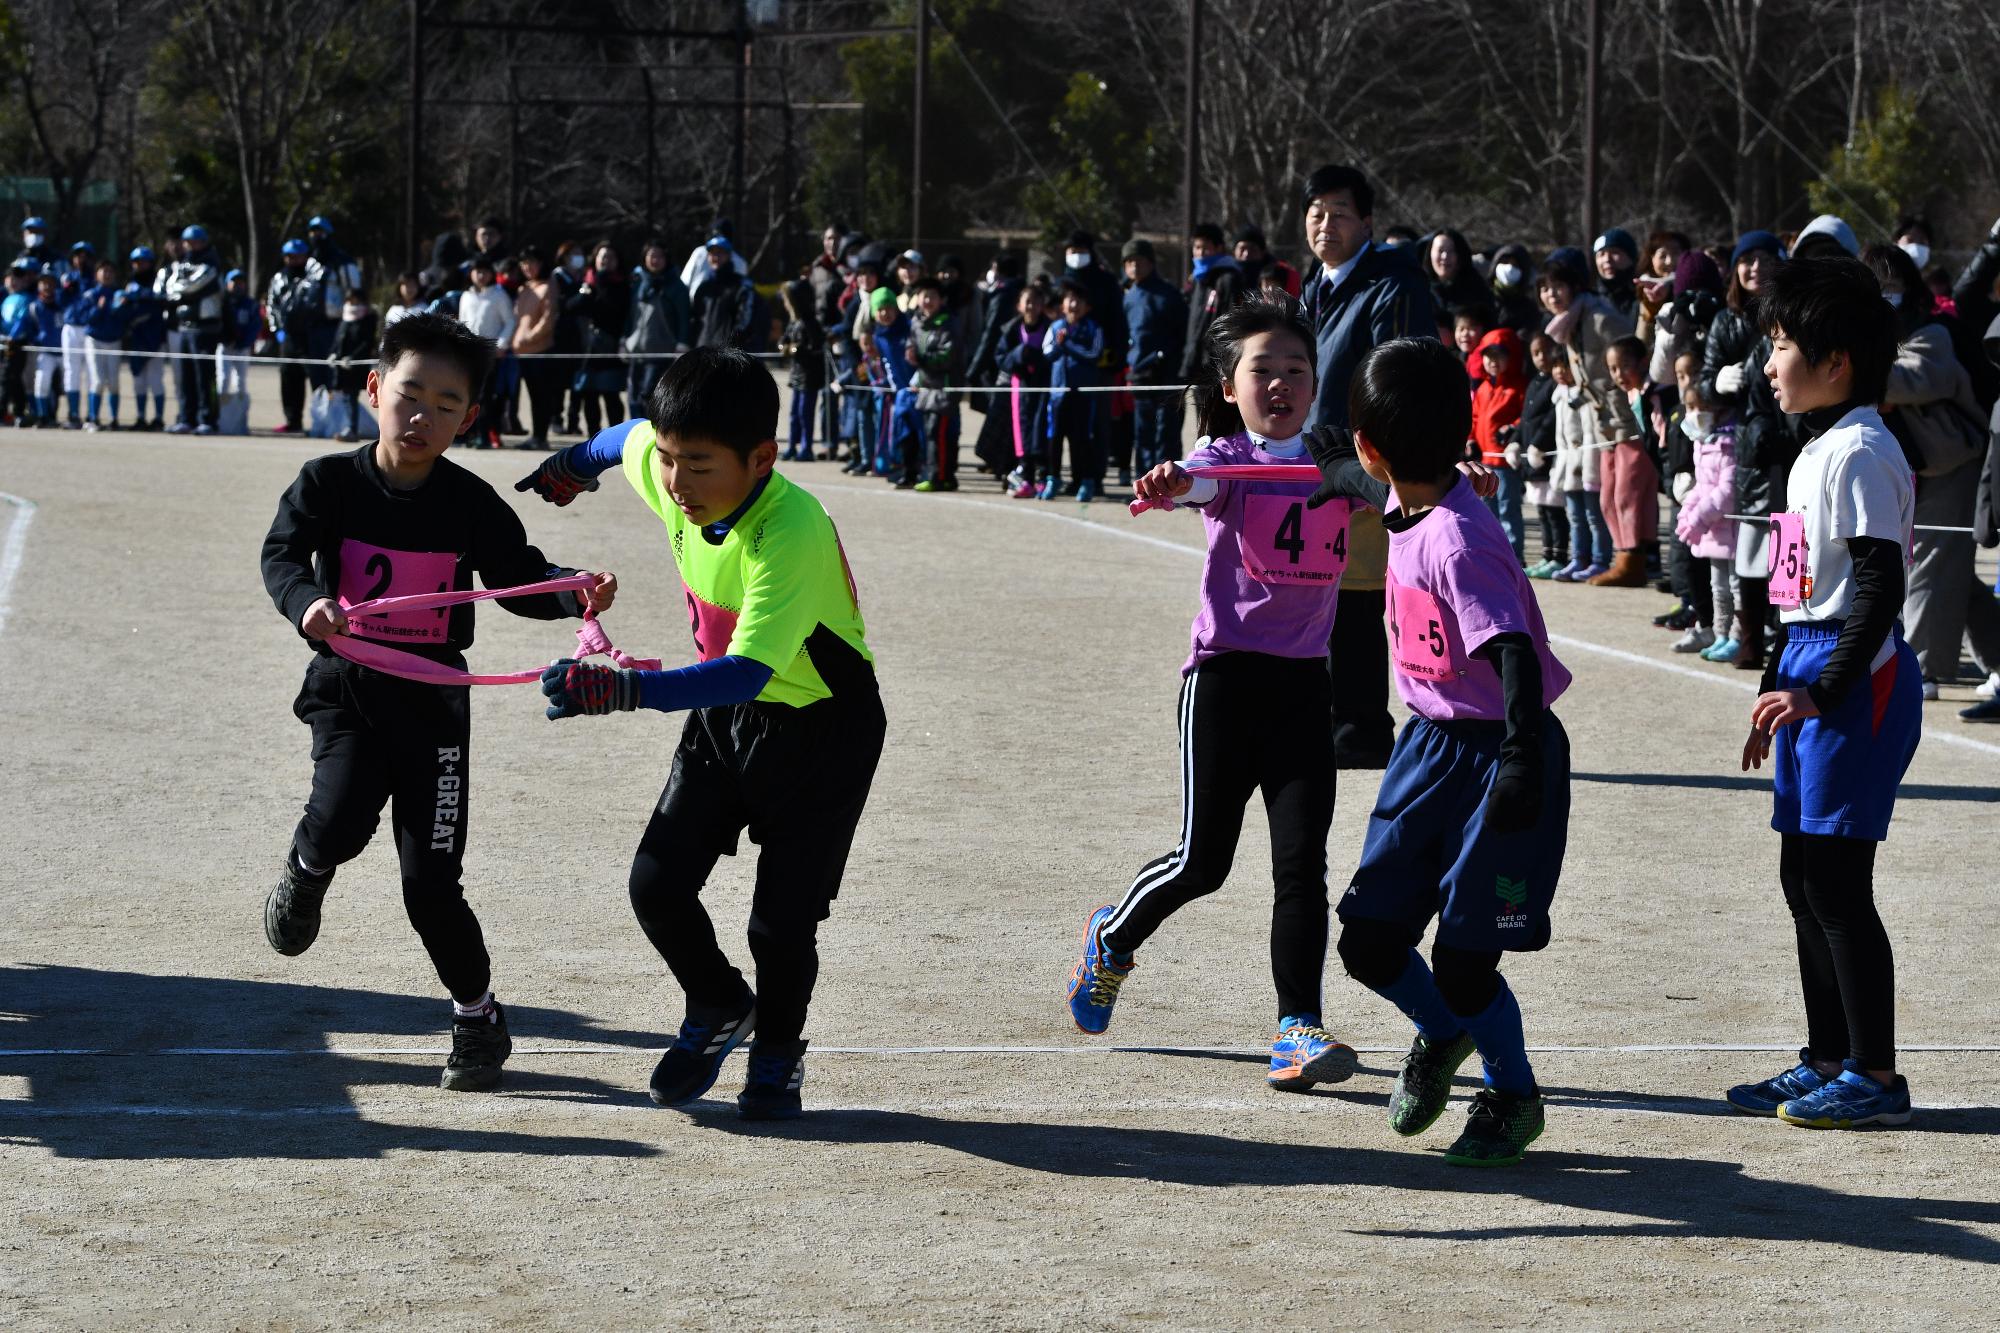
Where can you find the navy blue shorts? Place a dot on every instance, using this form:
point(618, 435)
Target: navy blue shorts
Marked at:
point(1428, 852)
point(1838, 775)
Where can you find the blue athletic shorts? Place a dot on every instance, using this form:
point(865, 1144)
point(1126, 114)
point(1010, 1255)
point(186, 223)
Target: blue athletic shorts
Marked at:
point(1838, 775)
point(1428, 852)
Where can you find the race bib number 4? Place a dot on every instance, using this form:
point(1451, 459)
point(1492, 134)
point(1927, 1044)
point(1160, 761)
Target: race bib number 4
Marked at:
point(368, 572)
point(1420, 637)
point(1282, 541)
point(1791, 577)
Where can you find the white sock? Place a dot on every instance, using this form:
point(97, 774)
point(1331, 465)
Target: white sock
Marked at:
point(300, 861)
point(482, 1009)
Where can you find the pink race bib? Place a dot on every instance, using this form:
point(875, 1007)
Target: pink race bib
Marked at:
point(1791, 578)
point(1419, 634)
point(1282, 541)
point(368, 572)
point(714, 627)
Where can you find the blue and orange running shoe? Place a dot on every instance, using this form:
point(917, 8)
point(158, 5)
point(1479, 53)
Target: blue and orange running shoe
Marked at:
point(1766, 1097)
point(1305, 1053)
point(1849, 1102)
point(1094, 981)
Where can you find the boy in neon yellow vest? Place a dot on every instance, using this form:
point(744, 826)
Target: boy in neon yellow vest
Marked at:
point(784, 725)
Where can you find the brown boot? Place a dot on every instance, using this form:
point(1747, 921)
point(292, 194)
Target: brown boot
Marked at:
point(1627, 571)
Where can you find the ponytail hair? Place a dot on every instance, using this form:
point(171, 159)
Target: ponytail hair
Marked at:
point(1262, 312)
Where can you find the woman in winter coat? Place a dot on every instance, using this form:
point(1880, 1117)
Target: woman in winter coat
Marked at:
point(1586, 325)
point(1455, 283)
point(1732, 380)
point(1932, 410)
point(601, 305)
point(536, 312)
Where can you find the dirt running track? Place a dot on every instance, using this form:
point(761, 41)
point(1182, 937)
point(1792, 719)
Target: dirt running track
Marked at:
point(197, 1133)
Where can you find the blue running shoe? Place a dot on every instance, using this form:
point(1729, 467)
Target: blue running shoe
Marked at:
point(1094, 981)
point(690, 1066)
point(1306, 1053)
point(771, 1092)
point(1849, 1102)
point(1765, 1098)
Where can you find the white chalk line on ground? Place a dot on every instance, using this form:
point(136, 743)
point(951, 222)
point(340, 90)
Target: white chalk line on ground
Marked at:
point(586, 1048)
point(1582, 645)
point(13, 549)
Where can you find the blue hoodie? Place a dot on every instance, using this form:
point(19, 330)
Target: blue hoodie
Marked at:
point(145, 317)
point(889, 343)
point(106, 313)
point(1072, 360)
point(12, 311)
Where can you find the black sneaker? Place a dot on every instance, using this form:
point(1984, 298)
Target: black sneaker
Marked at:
point(291, 913)
point(1424, 1085)
point(1677, 619)
point(690, 1066)
point(1499, 1126)
point(479, 1046)
point(771, 1092)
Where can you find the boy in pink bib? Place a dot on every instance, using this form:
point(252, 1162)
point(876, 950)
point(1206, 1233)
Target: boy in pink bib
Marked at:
point(1472, 815)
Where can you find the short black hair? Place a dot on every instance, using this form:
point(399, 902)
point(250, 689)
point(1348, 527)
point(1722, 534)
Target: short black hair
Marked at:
point(494, 224)
point(479, 261)
point(427, 334)
point(1326, 180)
point(927, 283)
point(1206, 231)
point(1631, 350)
point(718, 395)
point(1408, 397)
point(1833, 304)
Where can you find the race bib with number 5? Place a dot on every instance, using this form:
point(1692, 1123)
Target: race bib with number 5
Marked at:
point(368, 572)
point(1282, 541)
point(1791, 578)
point(1420, 637)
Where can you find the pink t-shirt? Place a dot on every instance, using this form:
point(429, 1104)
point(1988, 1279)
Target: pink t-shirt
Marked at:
point(1273, 568)
point(1453, 583)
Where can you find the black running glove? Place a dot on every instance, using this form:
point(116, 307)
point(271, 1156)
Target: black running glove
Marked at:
point(1340, 470)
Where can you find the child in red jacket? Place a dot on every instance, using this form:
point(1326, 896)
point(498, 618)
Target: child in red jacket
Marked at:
point(1496, 422)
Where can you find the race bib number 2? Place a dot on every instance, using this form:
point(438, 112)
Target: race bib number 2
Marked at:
point(1420, 637)
point(368, 572)
point(1791, 575)
point(1282, 541)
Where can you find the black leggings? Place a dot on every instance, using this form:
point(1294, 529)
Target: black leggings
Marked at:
point(1230, 747)
point(544, 382)
point(1376, 952)
point(375, 741)
point(1846, 967)
point(614, 408)
point(796, 779)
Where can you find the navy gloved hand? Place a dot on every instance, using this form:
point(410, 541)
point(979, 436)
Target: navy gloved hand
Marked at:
point(1327, 446)
point(556, 481)
point(577, 688)
point(1514, 802)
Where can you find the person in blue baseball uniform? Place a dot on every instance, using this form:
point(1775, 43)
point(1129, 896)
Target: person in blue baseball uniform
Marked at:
point(241, 323)
point(1840, 711)
point(145, 332)
point(41, 335)
point(1156, 320)
point(1072, 347)
point(104, 333)
point(20, 280)
point(1472, 817)
point(77, 280)
point(35, 250)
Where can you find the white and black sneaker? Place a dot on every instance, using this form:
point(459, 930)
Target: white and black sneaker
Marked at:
point(691, 1064)
point(771, 1092)
point(479, 1046)
point(291, 913)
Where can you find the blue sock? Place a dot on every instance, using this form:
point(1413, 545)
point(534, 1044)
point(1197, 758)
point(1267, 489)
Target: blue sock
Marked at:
point(114, 408)
point(75, 400)
point(96, 403)
point(1416, 994)
point(159, 407)
point(1503, 1047)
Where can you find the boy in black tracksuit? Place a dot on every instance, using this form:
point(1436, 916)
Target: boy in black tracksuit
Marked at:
point(937, 352)
point(389, 519)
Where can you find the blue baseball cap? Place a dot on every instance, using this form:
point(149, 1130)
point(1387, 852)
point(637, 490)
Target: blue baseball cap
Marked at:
point(719, 243)
point(83, 247)
point(35, 224)
point(194, 231)
point(140, 252)
point(232, 275)
point(295, 246)
point(318, 222)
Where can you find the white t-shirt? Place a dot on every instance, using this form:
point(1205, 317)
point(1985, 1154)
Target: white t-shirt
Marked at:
point(1850, 482)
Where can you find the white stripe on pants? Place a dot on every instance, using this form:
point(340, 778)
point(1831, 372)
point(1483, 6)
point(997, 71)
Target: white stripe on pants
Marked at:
point(1150, 879)
point(42, 371)
point(232, 370)
point(103, 358)
point(74, 358)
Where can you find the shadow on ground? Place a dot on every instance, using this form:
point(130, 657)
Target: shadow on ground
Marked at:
point(135, 1101)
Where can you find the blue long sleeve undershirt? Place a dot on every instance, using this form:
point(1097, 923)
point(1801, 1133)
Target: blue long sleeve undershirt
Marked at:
point(712, 684)
point(602, 451)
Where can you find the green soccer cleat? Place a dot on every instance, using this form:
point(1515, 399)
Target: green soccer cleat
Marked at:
point(1424, 1086)
point(1498, 1129)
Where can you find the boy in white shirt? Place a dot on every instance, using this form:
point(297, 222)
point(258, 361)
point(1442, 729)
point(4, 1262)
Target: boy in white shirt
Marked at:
point(1841, 700)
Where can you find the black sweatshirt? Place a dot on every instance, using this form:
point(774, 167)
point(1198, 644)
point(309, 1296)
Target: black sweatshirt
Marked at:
point(342, 501)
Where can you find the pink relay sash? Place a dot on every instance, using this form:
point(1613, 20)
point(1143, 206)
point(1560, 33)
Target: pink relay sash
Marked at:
point(1285, 472)
point(591, 639)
